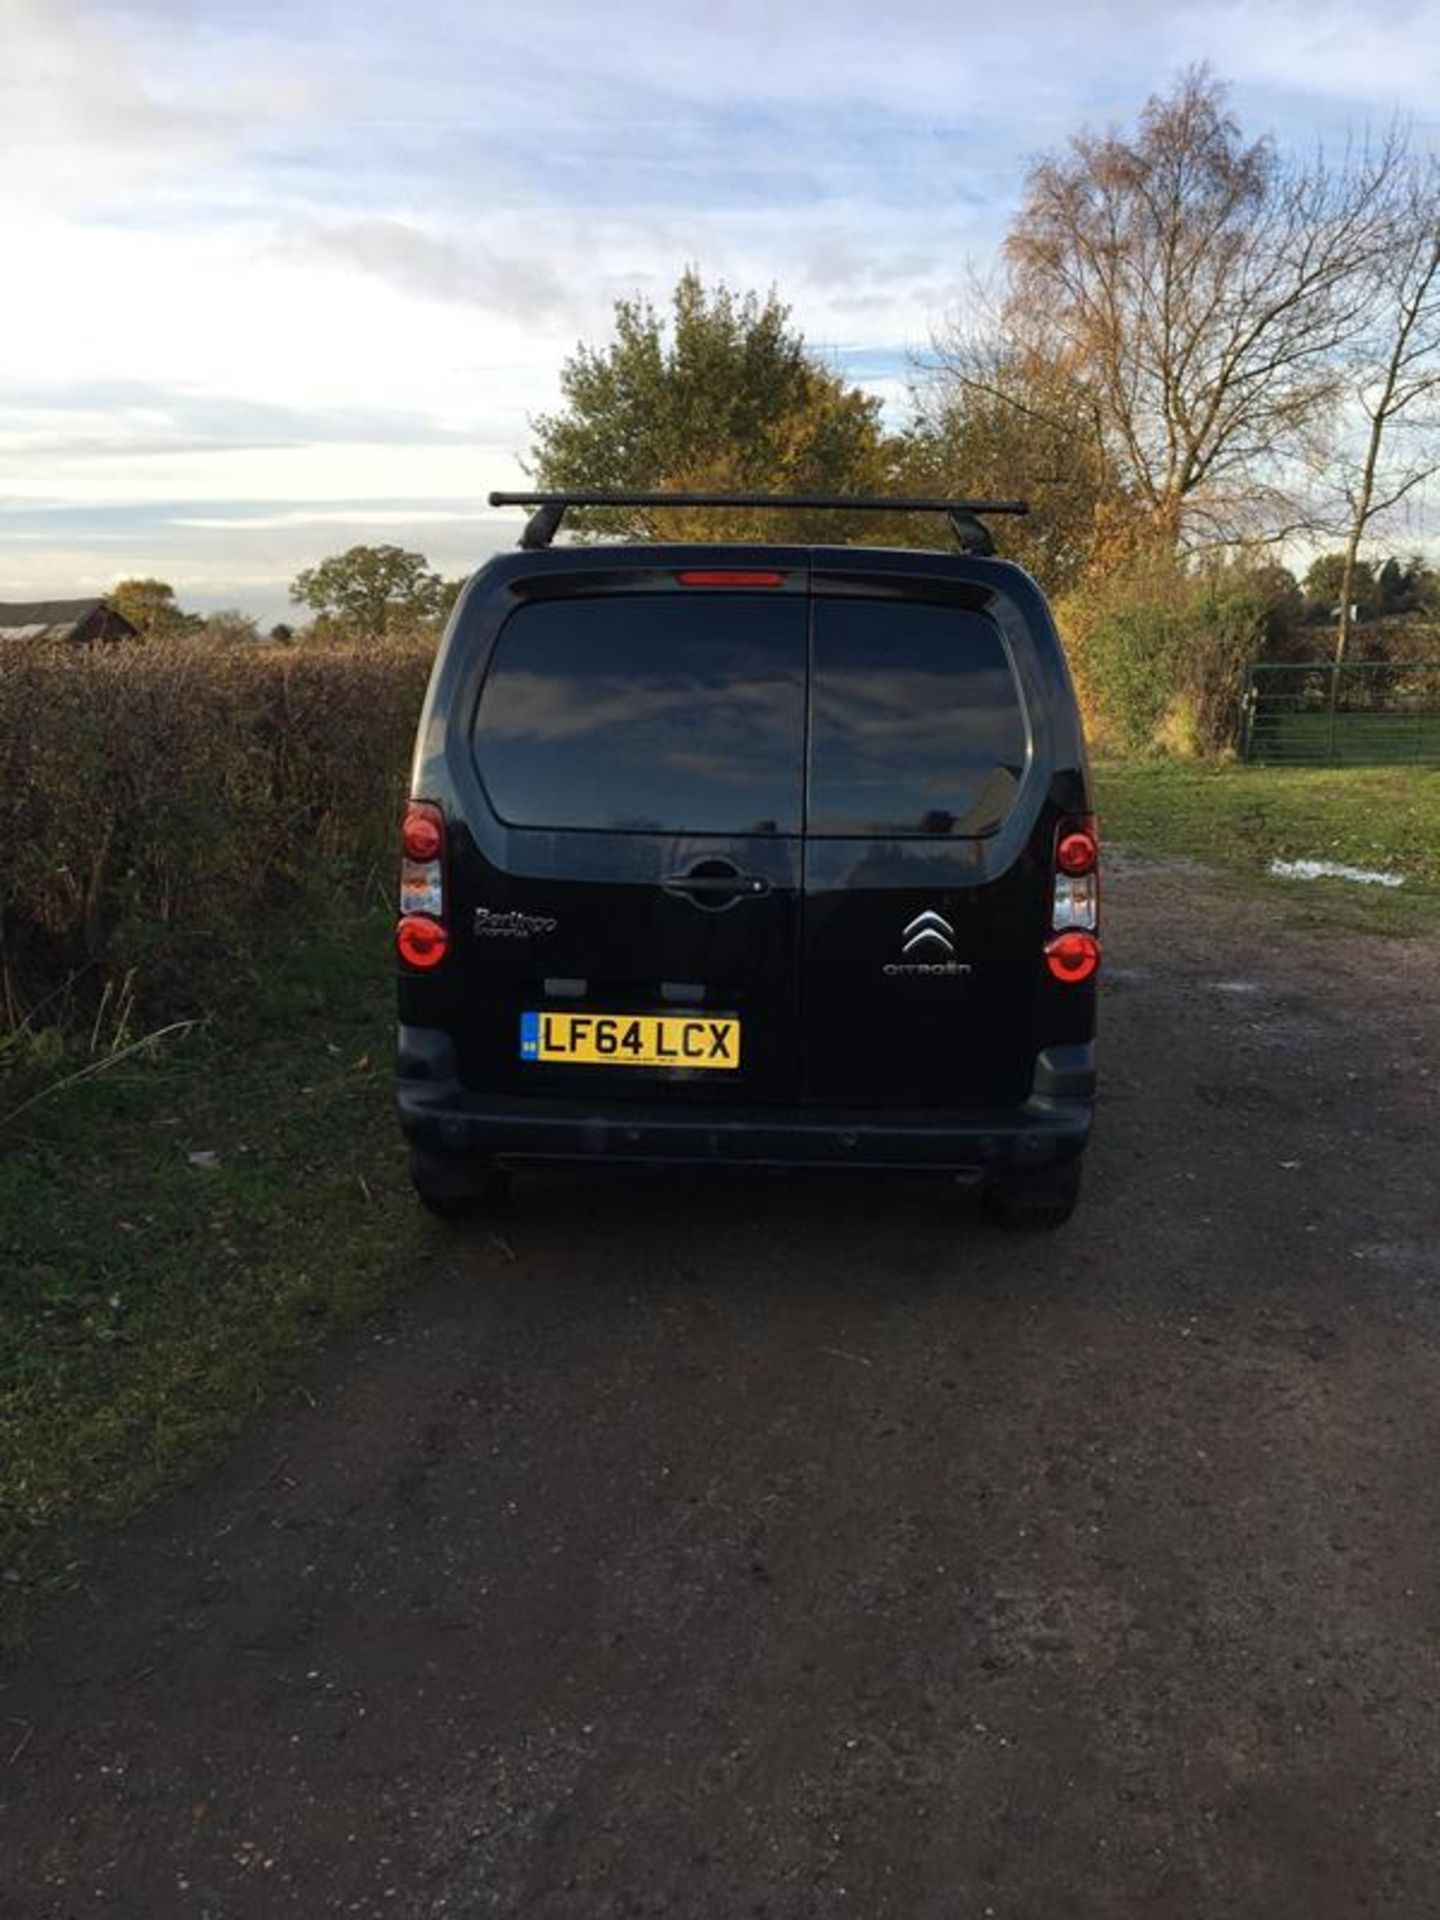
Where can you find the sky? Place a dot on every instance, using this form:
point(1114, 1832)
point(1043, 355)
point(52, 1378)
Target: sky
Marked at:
point(286, 275)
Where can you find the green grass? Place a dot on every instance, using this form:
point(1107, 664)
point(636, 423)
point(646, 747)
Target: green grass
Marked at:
point(1241, 817)
point(1349, 739)
point(150, 1303)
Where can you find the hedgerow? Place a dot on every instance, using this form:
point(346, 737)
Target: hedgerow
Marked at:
point(165, 812)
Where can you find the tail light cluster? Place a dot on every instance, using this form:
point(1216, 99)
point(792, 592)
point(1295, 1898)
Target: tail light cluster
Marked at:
point(420, 935)
point(1072, 952)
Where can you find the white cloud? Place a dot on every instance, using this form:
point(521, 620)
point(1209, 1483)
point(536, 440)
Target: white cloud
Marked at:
point(332, 472)
point(1361, 61)
point(425, 266)
point(334, 517)
point(94, 108)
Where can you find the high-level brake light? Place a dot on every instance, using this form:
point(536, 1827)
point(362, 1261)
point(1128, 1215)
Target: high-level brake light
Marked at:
point(728, 577)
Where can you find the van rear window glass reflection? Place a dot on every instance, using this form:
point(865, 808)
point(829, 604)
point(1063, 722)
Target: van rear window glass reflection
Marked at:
point(648, 713)
point(916, 725)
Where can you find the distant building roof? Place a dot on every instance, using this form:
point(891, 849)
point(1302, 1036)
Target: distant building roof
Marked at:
point(62, 620)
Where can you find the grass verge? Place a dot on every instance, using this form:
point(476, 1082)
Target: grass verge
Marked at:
point(1242, 818)
point(175, 1233)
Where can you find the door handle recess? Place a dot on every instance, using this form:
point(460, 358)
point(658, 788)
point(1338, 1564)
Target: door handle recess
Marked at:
point(714, 885)
point(737, 884)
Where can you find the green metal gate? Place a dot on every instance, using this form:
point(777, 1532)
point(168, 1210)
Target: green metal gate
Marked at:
point(1366, 713)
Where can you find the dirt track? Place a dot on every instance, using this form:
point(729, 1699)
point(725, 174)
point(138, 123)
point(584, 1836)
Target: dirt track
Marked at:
point(778, 1548)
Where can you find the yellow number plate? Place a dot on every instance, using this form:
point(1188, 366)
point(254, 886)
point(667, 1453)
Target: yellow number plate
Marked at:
point(632, 1039)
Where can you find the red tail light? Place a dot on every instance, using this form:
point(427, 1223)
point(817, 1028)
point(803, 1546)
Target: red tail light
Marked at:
point(421, 941)
point(1077, 846)
point(1073, 953)
point(420, 936)
point(423, 834)
point(729, 578)
point(1073, 957)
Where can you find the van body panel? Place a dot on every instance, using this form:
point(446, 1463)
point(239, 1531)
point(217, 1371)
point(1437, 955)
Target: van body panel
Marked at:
point(922, 918)
point(845, 1008)
point(616, 928)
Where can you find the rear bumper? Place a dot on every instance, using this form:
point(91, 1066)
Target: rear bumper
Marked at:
point(440, 1115)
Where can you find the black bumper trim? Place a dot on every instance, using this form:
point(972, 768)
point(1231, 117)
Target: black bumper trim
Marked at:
point(438, 1114)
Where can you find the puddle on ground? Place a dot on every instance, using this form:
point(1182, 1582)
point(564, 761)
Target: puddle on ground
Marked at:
point(1334, 870)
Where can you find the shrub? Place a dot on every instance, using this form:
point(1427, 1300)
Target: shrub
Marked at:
point(1159, 655)
point(166, 811)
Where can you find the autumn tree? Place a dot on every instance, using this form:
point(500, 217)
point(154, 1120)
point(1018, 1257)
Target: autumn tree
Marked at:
point(720, 394)
point(152, 609)
point(370, 593)
point(989, 421)
point(1198, 288)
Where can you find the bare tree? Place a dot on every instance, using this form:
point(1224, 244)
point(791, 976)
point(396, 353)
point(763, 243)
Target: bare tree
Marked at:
point(1200, 289)
point(1396, 374)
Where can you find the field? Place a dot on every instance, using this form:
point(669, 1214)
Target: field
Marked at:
point(182, 1224)
point(175, 1229)
point(1347, 739)
point(1242, 818)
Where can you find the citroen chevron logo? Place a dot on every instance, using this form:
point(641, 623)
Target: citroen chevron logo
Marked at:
point(928, 930)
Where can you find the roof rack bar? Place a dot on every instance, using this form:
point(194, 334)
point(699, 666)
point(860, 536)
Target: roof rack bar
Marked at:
point(550, 508)
point(543, 525)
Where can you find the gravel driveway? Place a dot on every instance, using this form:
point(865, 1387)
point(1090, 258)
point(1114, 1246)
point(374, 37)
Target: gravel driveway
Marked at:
point(779, 1548)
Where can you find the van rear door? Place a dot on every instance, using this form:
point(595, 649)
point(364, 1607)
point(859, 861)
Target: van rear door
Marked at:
point(924, 890)
point(639, 743)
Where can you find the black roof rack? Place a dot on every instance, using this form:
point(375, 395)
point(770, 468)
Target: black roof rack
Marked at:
point(963, 515)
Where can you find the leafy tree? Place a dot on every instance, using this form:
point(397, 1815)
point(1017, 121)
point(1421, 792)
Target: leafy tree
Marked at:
point(1325, 580)
point(369, 593)
point(1200, 288)
point(721, 395)
point(988, 421)
point(1391, 582)
point(450, 591)
point(1420, 584)
point(1280, 596)
point(151, 608)
point(1270, 593)
point(1403, 586)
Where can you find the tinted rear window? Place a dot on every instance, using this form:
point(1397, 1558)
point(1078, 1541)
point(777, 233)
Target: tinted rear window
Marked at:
point(664, 713)
point(916, 723)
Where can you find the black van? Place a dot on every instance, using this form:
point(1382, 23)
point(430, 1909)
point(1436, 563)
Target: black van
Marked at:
point(769, 855)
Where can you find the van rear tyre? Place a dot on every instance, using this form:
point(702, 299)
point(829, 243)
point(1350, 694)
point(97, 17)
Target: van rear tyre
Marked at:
point(454, 1188)
point(1034, 1202)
